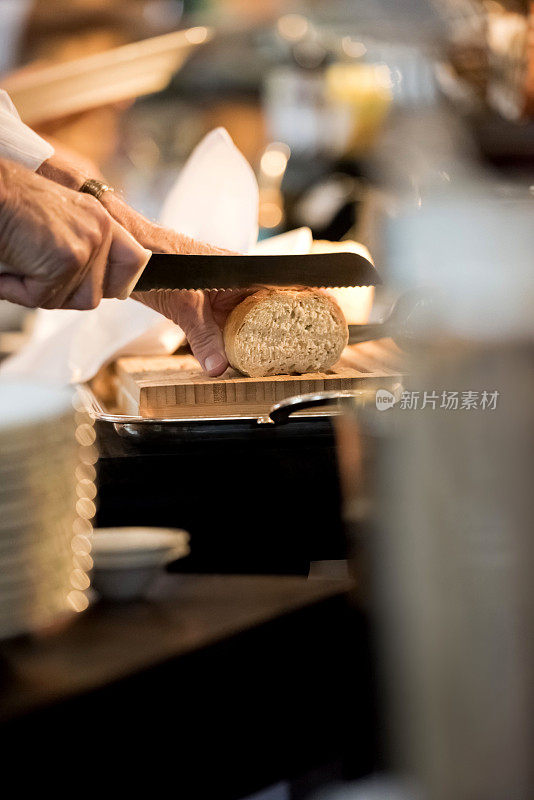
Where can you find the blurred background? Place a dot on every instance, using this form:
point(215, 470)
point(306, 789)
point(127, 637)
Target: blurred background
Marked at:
point(303, 87)
point(316, 95)
point(309, 91)
point(408, 126)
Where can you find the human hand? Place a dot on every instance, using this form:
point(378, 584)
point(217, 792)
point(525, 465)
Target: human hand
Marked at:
point(201, 315)
point(60, 248)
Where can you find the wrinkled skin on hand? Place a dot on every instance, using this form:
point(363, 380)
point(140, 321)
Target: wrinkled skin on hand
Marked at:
point(201, 315)
point(59, 248)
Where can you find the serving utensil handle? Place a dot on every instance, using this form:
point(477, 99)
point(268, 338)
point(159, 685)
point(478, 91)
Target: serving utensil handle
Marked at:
point(367, 333)
point(279, 413)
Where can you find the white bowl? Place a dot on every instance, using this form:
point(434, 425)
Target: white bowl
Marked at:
point(123, 583)
point(126, 560)
point(140, 546)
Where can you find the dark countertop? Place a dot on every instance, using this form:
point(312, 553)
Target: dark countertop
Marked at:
point(225, 683)
point(111, 641)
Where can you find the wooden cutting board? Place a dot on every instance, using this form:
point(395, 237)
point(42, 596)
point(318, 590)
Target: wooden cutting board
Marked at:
point(176, 386)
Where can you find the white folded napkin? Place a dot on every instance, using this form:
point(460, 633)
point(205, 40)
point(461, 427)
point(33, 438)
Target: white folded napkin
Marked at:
point(215, 198)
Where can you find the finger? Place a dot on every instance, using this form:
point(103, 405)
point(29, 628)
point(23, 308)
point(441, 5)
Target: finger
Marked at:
point(126, 261)
point(88, 292)
point(88, 288)
point(14, 289)
point(27, 291)
point(82, 289)
point(205, 337)
point(92, 283)
point(61, 294)
point(194, 247)
point(82, 286)
point(223, 301)
point(191, 310)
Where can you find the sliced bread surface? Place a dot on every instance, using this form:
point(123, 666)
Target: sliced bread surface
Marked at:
point(284, 332)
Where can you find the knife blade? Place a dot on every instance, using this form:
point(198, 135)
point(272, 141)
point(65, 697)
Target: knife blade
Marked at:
point(170, 271)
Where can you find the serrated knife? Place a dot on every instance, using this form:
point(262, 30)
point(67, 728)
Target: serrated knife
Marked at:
point(169, 271)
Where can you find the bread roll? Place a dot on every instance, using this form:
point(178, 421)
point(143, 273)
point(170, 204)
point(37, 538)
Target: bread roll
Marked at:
point(285, 331)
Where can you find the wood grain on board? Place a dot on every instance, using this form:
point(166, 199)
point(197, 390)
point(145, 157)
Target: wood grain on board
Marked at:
point(176, 386)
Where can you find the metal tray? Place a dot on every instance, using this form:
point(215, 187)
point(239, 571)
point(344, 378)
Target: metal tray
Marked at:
point(300, 409)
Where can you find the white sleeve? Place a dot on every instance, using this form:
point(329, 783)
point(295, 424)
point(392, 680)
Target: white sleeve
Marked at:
point(17, 141)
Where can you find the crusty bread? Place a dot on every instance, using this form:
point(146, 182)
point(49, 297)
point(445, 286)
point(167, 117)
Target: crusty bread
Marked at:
point(285, 331)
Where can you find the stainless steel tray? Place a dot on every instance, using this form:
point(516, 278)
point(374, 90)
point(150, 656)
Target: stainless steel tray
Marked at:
point(301, 408)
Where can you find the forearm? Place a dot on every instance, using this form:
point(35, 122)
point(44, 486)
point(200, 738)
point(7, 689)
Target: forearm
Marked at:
point(62, 171)
point(66, 169)
point(6, 181)
point(152, 235)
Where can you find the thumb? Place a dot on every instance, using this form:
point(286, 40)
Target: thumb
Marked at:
point(192, 311)
point(203, 334)
point(126, 261)
point(206, 342)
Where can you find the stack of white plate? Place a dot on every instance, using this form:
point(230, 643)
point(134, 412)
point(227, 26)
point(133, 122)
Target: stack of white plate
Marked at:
point(38, 459)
